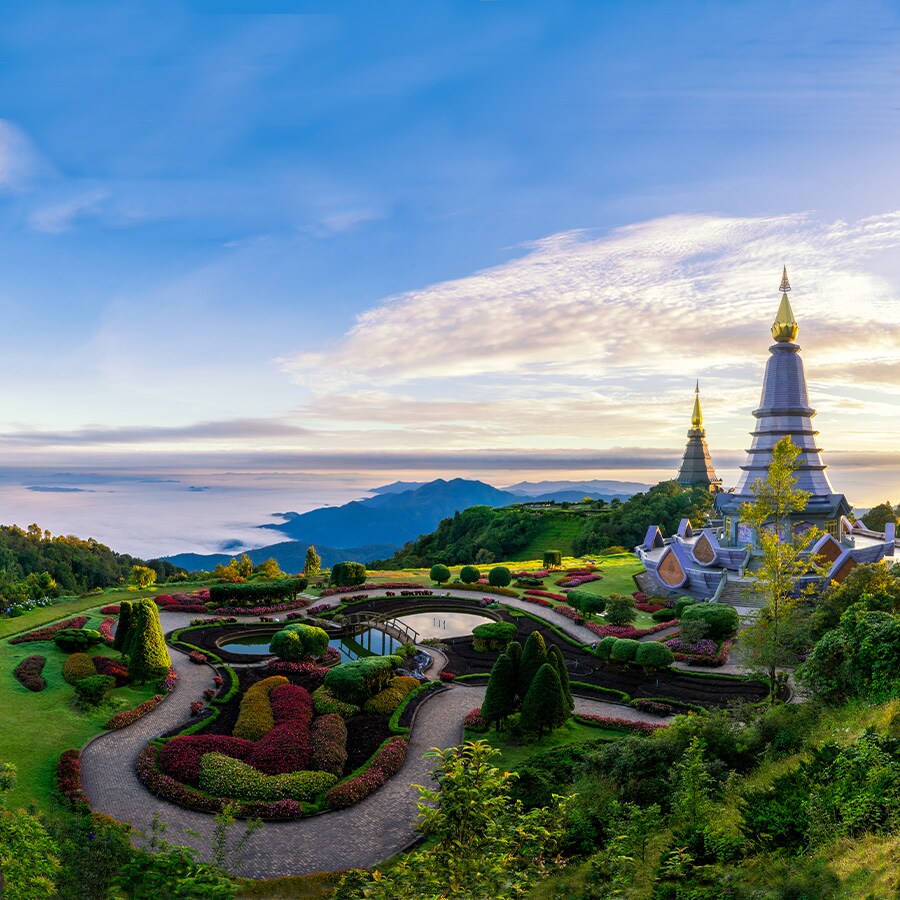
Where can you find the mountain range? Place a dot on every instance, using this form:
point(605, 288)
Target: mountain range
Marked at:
point(374, 528)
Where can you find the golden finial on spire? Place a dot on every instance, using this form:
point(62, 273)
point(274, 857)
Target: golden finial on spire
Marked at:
point(785, 327)
point(697, 415)
point(785, 284)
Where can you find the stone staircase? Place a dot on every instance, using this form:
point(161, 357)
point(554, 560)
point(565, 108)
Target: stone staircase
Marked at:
point(741, 593)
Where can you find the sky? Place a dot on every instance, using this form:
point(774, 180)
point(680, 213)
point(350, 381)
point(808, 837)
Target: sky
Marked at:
point(286, 251)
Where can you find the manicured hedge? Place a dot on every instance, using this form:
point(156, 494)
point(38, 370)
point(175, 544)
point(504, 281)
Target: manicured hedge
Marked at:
point(469, 574)
point(493, 635)
point(279, 590)
point(387, 762)
point(663, 615)
point(77, 640)
point(325, 703)
point(329, 744)
point(653, 655)
point(224, 776)
point(93, 689)
point(255, 717)
point(28, 672)
point(358, 680)
point(604, 646)
point(129, 716)
point(624, 650)
point(46, 633)
point(291, 703)
point(721, 619)
point(348, 574)
point(78, 666)
point(180, 756)
point(681, 604)
point(387, 700)
point(297, 642)
point(499, 576)
point(285, 748)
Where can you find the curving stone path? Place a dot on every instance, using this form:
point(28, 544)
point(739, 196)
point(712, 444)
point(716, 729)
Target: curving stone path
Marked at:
point(359, 837)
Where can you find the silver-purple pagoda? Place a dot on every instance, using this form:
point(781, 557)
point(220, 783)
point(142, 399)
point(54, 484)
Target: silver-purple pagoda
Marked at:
point(714, 561)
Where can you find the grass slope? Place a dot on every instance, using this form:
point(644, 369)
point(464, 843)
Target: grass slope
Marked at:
point(557, 531)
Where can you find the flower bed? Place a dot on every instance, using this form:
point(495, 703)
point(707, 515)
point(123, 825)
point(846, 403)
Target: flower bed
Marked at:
point(180, 602)
point(538, 573)
point(569, 613)
point(473, 719)
point(537, 601)
point(46, 633)
point(111, 610)
point(28, 673)
point(621, 724)
point(446, 676)
point(701, 655)
point(105, 629)
point(167, 684)
point(574, 581)
point(106, 665)
point(215, 620)
point(484, 589)
point(531, 592)
point(368, 586)
point(301, 603)
point(387, 762)
point(197, 657)
point(627, 631)
point(68, 778)
point(122, 719)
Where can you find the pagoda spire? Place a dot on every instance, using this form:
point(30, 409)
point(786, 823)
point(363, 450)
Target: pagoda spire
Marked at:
point(696, 466)
point(697, 415)
point(785, 327)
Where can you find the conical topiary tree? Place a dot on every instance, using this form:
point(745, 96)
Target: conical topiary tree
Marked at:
point(514, 652)
point(544, 706)
point(533, 657)
point(555, 658)
point(148, 656)
point(126, 621)
point(500, 696)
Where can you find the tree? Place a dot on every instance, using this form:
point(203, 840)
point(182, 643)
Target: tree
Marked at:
point(878, 516)
point(439, 574)
point(653, 655)
point(555, 658)
point(142, 577)
point(534, 655)
point(875, 582)
point(297, 642)
point(545, 704)
point(28, 857)
point(500, 695)
point(270, 569)
point(552, 559)
point(620, 609)
point(313, 562)
point(469, 574)
point(692, 802)
point(585, 602)
point(720, 618)
point(499, 576)
point(514, 652)
point(785, 559)
point(348, 574)
point(123, 628)
point(148, 656)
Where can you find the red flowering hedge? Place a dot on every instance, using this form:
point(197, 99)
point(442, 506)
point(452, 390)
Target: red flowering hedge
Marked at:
point(531, 592)
point(180, 756)
point(473, 719)
point(28, 673)
point(291, 703)
point(538, 601)
point(105, 629)
point(622, 724)
point(368, 586)
point(261, 610)
point(313, 673)
point(626, 631)
point(46, 633)
point(649, 607)
point(112, 610)
point(120, 720)
point(329, 744)
point(387, 762)
point(68, 778)
point(106, 665)
point(286, 748)
point(569, 613)
point(179, 603)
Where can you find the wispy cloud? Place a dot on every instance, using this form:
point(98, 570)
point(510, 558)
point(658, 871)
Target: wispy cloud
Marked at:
point(62, 217)
point(20, 160)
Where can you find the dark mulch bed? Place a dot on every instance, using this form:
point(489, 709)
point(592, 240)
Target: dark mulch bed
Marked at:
point(205, 638)
point(365, 734)
point(409, 710)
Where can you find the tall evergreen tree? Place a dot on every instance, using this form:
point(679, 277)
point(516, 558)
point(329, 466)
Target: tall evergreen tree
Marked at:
point(126, 621)
point(500, 696)
point(514, 652)
point(148, 656)
point(313, 562)
point(544, 706)
point(533, 657)
point(555, 658)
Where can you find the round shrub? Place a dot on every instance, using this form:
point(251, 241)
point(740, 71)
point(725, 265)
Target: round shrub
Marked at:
point(77, 640)
point(469, 574)
point(93, 690)
point(357, 680)
point(652, 655)
point(297, 642)
point(624, 650)
point(493, 635)
point(681, 604)
point(285, 748)
point(552, 559)
point(721, 619)
point(387, 700)
point(77, 667)
point(329, 744)
point(255, 717)
point(180, 757)
point(223, 776)
point(291, 703)
point(499, 576)
point(620, 609)
point(585, 602)
point(325, 703)
point(439, 574)
point(663, 615)
point(604, 646)
point(348, 574)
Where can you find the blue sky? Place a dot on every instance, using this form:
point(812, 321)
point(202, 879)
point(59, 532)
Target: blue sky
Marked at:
point(275, 235)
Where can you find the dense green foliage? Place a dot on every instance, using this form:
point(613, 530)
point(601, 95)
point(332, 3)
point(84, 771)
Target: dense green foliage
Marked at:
point(500, 695)
point(878, 516)
point(620, 609)
point(624, 650)
point(469, 574)
point(653, 655)
point(552, 559)
point(123, 628)
point(681, 604)
point(347, 574)
point(534, 655)
point(587, 603)
point(499, 576)
point(545, 706)
point(493, 635)
point(439, 573)
point(313, 562)
point(555, 658)
point(255, 593)
point(77, 640)
point(297, 642)
point(356, 681)
point(721, 620)
point(148, 655)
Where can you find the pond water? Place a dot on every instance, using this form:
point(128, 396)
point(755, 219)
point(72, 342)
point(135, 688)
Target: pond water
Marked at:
point(250, 645)
point(368, 643)
point(443, 624)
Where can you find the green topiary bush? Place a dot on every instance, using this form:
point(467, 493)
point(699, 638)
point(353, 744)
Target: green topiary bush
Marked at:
point(148, 656)
point(469, 574)
point(347, 574)
point(297, 642)
point(388, 699)
point(604, 646)
point(493, 636)
point(93, 690)
point(681, 604)
point(439, 574)
point(325, 703)
point(624, 650)
point(356, 681)
point(721, 620)
point(663, 615)
point(585, 602)
point(545, 706)
point(255, 717)
point(500, 696)
point(534, 655)
point(258, 593)
point(499, 576)
point(620, 609)
point(223, 776)
point(77, 640)
point(552, 559)
point(123, 627)
point(653, 655)
point(77, 667)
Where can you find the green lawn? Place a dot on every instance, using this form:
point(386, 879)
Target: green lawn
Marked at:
point(557, 532)
point(38, 727)
point(513, 752)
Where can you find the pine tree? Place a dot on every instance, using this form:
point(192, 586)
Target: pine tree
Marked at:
point(313, 562)
point(148, 656)
point(544, 705)
point(126, 622)
point(533, 657)
point(514, 652)
point(555, 658)
point(500, 696)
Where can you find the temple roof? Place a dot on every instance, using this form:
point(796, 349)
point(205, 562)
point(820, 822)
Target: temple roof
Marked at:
point(696, 466)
